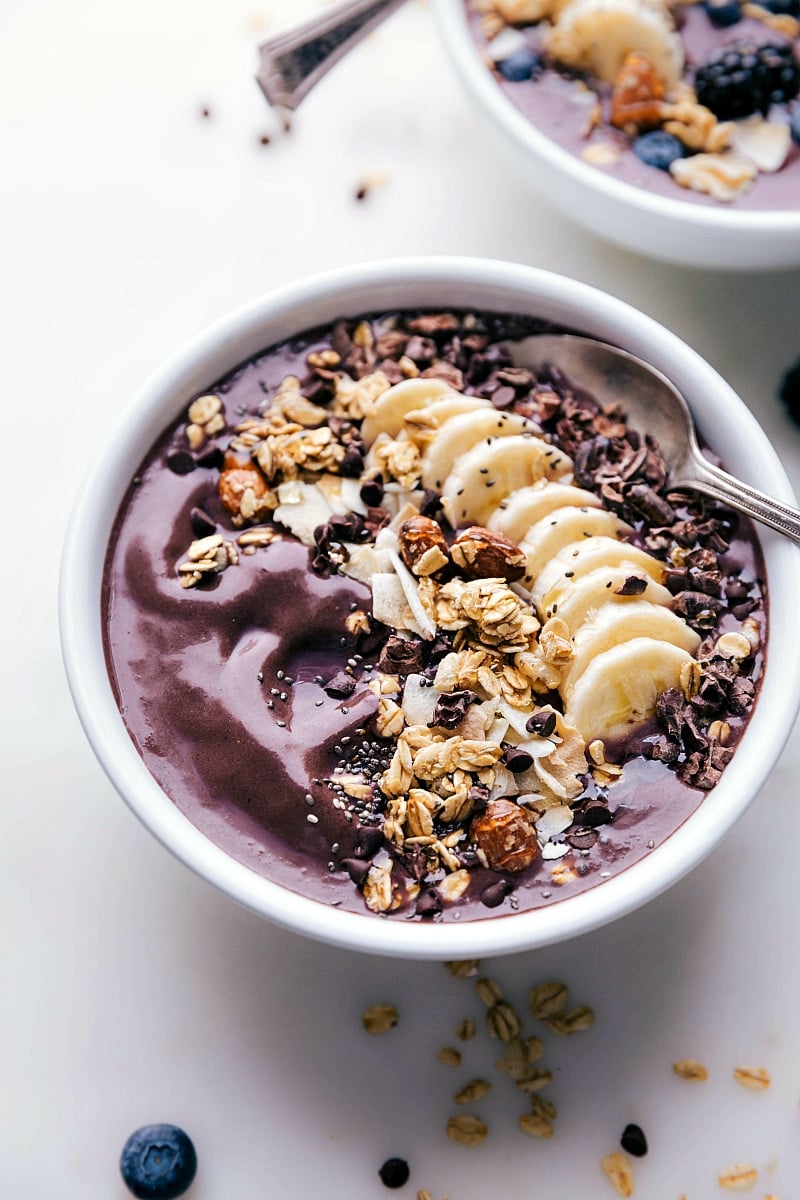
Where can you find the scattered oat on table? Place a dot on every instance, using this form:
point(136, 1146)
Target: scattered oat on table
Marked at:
point(476, 1089)
point(546, 1000)
point(465, 969)
point(379, 1018)
point(465, 1030)
point(448, 1056)
point(619, 1170)
point(757, 1079)
point(467, 1131)
point(689, 1068)
point(738, 1178)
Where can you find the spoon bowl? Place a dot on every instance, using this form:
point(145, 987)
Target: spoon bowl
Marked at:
point(654, 404)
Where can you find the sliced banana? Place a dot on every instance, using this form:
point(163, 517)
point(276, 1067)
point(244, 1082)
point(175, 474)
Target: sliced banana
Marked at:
point(458, 435)
point(577, 559)
point(421, 424)
point(528, 505)
point(598, 35)
point(563, 526)
point(614, 625)
point(619, 687)
point(488, 472)
point(393, 404)
point(588, 595)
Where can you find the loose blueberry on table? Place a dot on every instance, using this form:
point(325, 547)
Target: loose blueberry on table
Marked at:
point(158, 1162)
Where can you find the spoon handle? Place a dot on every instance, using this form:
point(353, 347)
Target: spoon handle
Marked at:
point(713, 481)
point(293, 62)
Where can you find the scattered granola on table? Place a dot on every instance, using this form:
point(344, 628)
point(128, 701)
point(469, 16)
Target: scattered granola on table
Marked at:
point(423, 633)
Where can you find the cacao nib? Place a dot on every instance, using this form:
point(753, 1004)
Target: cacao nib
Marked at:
point(451, 708)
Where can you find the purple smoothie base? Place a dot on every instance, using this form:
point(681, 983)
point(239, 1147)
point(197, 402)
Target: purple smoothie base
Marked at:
point(194, 672)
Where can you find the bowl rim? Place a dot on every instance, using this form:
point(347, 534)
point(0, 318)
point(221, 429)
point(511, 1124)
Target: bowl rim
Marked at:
point(383, 286)
point(451, 15)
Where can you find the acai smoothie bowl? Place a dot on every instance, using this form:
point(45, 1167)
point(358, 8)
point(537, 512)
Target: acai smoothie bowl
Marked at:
point(670, 127)
point(402, 639)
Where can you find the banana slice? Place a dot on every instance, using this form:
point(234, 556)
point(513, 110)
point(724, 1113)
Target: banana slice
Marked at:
point(614, 625)
point(619, 688)
point(525, 507)
point(421, 424)
point(488, 472)
point(587, 596)
point(393, 404)
point(579, 558)
point(461, 433)
point(598, 35)
point(543, 540)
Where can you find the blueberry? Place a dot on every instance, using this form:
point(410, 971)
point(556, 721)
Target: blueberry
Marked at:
point(723, 13)
point(783, 8)
point(794, 123)
point(658, 149)
point(521, 65)
point(158, 1162)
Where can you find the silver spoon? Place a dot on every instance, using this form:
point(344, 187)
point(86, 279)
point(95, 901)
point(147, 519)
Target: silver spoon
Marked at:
point(293, 62)
point(655, 405)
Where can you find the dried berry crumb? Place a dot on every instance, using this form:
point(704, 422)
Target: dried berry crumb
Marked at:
point(634, 1141)
point(394, 1173)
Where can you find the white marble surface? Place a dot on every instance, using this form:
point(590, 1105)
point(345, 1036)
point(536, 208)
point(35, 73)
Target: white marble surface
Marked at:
point(131, 991)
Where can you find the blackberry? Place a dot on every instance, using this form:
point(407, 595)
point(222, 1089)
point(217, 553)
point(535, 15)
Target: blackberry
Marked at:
point(746, 77)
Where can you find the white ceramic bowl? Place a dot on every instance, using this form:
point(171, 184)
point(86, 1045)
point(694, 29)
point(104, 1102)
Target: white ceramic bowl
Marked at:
point(675, 230)
point(411, 283)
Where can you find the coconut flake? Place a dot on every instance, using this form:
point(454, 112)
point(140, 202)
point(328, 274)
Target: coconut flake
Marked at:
point(426, 624)
point(507, 42)
point(554, 850)
point(766, 143)
point(553, 821)
point(419, 701)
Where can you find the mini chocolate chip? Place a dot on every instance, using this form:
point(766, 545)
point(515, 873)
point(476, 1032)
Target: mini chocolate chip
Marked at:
point(368, 842)
point(542, 723)
point(352, 464)
point(494, 895)
point(341, 686)
point(211, 459)
point(634, 1141)
point(372, 491)
point(595, 813)
point(516, 760)
point(394, 1173)
point(180, 462)
point(202, 525)
point(431, 503)
point(357, 868)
